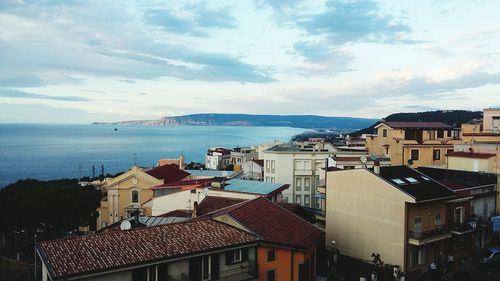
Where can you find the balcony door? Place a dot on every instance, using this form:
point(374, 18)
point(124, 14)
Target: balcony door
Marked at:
point(459, 215)
point(206, 268)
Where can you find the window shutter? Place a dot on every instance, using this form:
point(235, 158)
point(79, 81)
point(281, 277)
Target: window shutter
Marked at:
point(229, 257)
point(215, 267)
point(162, 272)
point(195, 269)
point(244, 254)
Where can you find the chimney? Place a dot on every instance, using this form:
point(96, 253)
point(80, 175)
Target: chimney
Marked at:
point(376, 167)
point(195, 210)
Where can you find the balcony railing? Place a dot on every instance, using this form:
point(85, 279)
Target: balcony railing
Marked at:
point(418, 238)
point(461, 228)
point(320, 183)
point(246, 271)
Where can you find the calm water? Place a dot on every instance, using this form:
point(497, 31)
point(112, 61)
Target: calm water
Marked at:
point(57, 151)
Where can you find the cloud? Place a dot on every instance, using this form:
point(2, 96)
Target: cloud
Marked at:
point(321, 57)
point(355, 21)
point(11, 93)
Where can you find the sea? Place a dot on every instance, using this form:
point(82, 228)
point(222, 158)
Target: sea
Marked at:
point(49, 151)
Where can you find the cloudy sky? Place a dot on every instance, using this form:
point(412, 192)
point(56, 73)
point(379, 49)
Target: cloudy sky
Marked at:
point(83, 61)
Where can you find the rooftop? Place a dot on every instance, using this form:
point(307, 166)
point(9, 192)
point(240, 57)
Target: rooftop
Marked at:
point(415, 125)
point(456, 179)
point(185, 184)
point(256, 187)
point(178, 213)
point(212, 173)
point(214, 203)
point(112, 250)
point(475, 155)
point(168, 173)
point(414, 183)
point(273, 223)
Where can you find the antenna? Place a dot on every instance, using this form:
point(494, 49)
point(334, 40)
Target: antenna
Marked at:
point(125, 225)
point(363, 159)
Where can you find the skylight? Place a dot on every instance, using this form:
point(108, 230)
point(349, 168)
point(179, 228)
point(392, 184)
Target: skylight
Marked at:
point(411, 180)
point(425, 178)
point(398, 181)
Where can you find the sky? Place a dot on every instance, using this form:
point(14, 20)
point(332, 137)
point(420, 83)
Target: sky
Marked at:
point(71, 61)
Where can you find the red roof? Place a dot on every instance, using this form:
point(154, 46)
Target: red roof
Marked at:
point(259, 162)
point(214, 203)
point(105, 251)
point(464, 154)
point(416, 125)
point(169, 173)
point(272, 223)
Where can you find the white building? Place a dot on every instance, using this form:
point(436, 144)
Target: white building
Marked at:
point(217, 158)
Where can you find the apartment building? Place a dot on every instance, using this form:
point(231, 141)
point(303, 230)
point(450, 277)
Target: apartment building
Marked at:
point(297, 164)
point(396, 212)
point(486, 130)
point(240, 155)
point(217, 158)
point(413, 143)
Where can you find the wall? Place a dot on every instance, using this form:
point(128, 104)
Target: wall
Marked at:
point(365, 215)
point(427, 212)
point(472, 164)
point(179, 200)
point(282, 264)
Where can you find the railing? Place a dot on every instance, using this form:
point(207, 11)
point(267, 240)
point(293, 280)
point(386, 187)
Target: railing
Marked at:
point(461, 228)
point(246, 270)
point(320, 183)
point(422, 235)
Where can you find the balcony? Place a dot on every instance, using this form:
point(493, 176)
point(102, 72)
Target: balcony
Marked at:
point(321, 183)
point(246, 271)
point(321, 216)
point(419, 238)
point(462, 228)
point(303, 172)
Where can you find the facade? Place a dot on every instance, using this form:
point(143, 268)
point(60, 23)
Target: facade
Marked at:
point(483, 131)
point(217, 158)
point(299, 166)
point(413, 143)
point(197, 250)
point(395, 212)
point(240, 155)
point(126, 193)
point(253, 170)
point(179, 162)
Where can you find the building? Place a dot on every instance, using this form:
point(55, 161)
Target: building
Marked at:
point(144, 221)
point(208, 174)
point(470, 213)
point(126, 193)
point(193, 250)
point(413, 143)
point(298, 165)
point(472, 160)
point(271, 190)
point(396, 212)
point(217, 158)
point(179, 162)
point(288, 249)
point(253, 170)
point(240, 155)
point(486, 130)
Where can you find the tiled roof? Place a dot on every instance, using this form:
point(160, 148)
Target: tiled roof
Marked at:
point(256, 187)
point(214, 203)
point(415, 184)
point(272, 223)
point(169, 173)
point(259, 162)
point(101, 252)
point(416, 125)
point(476, 155)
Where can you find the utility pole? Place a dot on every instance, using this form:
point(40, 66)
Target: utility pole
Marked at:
point(79, 171)
point(93, 171)
point(135, 159)
point(102, 170)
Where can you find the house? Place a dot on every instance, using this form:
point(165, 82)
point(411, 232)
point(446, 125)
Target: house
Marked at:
point(240, 155)
point(209, 174)
point(470, 213)
point(217, 158)
point(179, 162)
point(297, 164)
point(126, 193)
point(413, 143)
point(396, 212)
point(486, 130)
point(288, 246)
point(253, 170)
point(193, 250)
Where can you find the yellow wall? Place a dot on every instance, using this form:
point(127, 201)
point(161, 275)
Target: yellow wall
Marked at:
point(365, 215)
point(470, 164)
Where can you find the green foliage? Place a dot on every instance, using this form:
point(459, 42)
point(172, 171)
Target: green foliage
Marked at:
point(453, 118)
point(55, 204)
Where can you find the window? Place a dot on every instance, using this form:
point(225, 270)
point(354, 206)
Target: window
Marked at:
point(384, 133)
point(273, 166)
point(495, 122)
point(418, 224)
point(206, 268)
point(398, 181)
point(272, 179)
point(436, 155)
point(135, 196)
point(414, 154)
point(267, 166)
point(458, 216)
point(437, 219)
point(298, 184)
point(432, 134)
point(298, 199)
point(386, 150)
point(485, 210)
point(306, 200)
point(271, 255)
point(440, 134)
point(307, 184)
point(411, 180)
point(271, 275)
point(417, 257)
point(237, 255)
point(104, 224)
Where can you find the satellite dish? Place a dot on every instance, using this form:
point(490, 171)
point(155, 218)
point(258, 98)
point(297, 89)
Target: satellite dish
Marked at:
point(125, 225)
point(410, 162)
point(363, 159)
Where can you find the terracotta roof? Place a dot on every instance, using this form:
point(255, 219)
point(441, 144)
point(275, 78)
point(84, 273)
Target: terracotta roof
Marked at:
point(416, 125)
point(214, 203)
point(101, 252)
point(169, 173)
point(180, 213)
point(162, 162)
point(272, 223)
point(259, 162)
point(464, 154)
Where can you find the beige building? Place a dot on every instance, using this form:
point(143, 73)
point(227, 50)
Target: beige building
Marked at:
point(395, 212)
point(486, 130)
point(418, 143)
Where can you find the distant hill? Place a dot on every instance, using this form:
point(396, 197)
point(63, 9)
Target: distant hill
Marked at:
point(453, 118)
point(297, 121)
